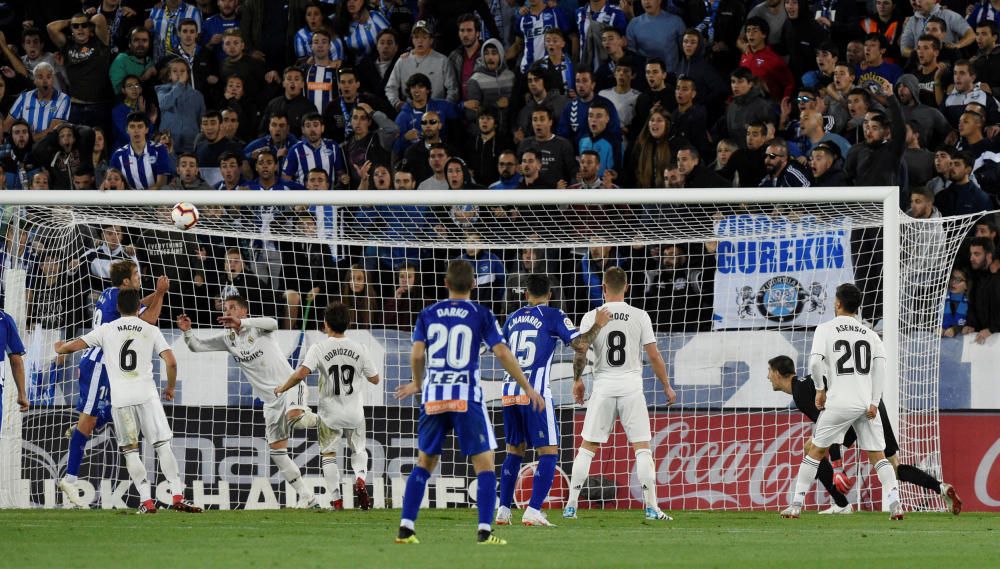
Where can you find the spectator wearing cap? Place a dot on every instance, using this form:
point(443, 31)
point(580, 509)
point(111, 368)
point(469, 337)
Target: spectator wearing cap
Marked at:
point(411, 115)
point(424, 60)
point(656, 33)
point(764, 63)
point(87, 56)
point(963, 196)
point(824, 166)
point(491, 86)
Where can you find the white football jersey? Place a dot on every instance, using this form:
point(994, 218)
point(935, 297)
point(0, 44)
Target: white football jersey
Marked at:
point(618, 348)
point(343, 366)
point(129, 344)
point(255, 350)
point(849, 349)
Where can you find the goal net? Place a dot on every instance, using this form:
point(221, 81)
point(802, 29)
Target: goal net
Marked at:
point(728, 285)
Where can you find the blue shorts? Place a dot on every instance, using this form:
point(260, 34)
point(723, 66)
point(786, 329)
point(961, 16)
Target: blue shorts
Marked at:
point(473, 429)
point(95, 391)
point(522, 424)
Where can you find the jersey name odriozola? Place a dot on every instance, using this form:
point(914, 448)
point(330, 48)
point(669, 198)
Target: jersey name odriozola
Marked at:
point(344, 368)
point(618, 348)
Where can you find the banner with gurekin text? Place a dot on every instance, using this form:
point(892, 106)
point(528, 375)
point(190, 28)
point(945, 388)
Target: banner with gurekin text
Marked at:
point(775, 271)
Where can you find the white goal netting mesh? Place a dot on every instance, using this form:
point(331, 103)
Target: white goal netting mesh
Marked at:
point(728, 286)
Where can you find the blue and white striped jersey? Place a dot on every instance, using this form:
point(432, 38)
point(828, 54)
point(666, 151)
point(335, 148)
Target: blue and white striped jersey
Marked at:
point(142, 169)
point(303, 45)
point(304, 157)
point(531, 29)
point(40, 114)
point(166, 23)
point(321, 85)
point(609, 15)
point(533, 333)
point(453, 331)
point(362, 37)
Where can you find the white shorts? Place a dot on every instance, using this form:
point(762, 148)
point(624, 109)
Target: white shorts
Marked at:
point(602, 411)
point(147, 418)
point(330, 437)
point(276, 414)
point(832, 425)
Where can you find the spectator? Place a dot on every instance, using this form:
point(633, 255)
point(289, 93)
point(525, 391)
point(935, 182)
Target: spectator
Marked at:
point(748, 105)
point(337, 114)
point(320, 73)
point(764, 63)
point(278, 140)
point(616, 45)
point(972, 136)
point(100, 155)
point(66, 158)
point(781, 171)
point(673, 291)
point(371, 141)
point(333, 49)
point(984, 298)
point(802, 33)
point(314, 151)
point(660, 94)
point(956, 304)
point(835, 96)
point(987, 227)
point(488, 145)
point(531, 168)
point(529, 30)
point(213, 28)
point(811, 125)
point(531, 261)
point(87, 57)
point(424, 60)
point(933, 76)
point(591, 19)
point(39, 180)
point(229, 171)
point(188, 174)
point(96, 263)
point(562, 74)
point(235, 281)
point(959, 34)
point(357, 293)
point(824, 164)
point(212, 143)
point(724, 151)
point(689, 121)
point(942, 168)
point(986, 62)
point(411, 114)
point(375, 68)
point(35, 53)
point(114, 179)
point(360, 26)
point(694, 66)
point(773, 14)
point(490, 273)
point(463, 60)
point(919, 160)
point(132, 101)
point(572, 124)
point(43, 108)
point(877, 162)
point(203, 67)
point(407, 299)
point(437, 155)
point(490, 87)
point(932, 126)
point(507, 171)
point(922, 204)
point(623, 96)
point(399, 224)
point(696, 175)
point(587, 293)
point(590, 176)
point(250, 70)
point(165, 20)
point(874, 64)
point(650, 156)
point(657, 33)
point(859, 103)
point(240, 114)
point(607, 146)
point(308, 270)
point(747, 164)
point(889, 23)
point(146, 165)
point(181, 107)
point(963, 196)
point(415, 157)
point(540, 96)
point(557, 156)
point(292, 103)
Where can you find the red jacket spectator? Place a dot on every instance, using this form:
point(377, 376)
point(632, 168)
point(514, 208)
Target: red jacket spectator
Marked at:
point(770, 68)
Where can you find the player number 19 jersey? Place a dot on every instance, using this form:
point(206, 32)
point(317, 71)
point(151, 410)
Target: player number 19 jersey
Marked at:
point(343, 367)
point(618, 348)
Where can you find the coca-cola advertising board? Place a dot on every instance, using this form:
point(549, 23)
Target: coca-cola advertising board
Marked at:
point(970, 455)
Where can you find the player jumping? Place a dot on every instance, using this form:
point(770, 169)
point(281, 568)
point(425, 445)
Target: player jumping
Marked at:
point(847, 363)
point(445, 363)
point(94, 402)
point(129, 342)
point(339, 361)
point(781, 372)
point(618, 390)
point(250, 342)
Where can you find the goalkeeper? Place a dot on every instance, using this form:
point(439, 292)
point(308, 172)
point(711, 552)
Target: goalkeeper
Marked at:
point(781, 372)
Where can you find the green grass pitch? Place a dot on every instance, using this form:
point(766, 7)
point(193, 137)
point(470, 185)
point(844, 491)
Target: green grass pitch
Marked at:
point(352, 539)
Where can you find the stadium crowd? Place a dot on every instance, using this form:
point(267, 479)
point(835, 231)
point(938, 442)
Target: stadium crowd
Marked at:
point(500, 94)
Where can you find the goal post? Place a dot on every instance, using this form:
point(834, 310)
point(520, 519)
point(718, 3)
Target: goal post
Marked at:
point(729, 443)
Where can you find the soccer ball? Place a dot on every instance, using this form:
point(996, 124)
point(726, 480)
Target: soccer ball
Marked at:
point(184, 215)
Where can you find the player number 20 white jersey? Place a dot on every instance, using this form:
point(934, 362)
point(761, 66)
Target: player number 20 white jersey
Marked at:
point(129, 344)
point(344, 368)
point(618, 348)
point(849, 350)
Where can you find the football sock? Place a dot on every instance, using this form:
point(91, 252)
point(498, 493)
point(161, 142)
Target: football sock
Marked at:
point(290, 471)
point(545, 473)
point(825, 476)
point(486, 497)
point(359, 462)
point(647, 477)
point(331, 473)
point(416, 485)
point(77, 444)
point(913, 475)
point(168, 465)
point(137, 471)
point(308, 420)
point(581, 470)
point(807, 473)
point(508, 478)
point(887, 476)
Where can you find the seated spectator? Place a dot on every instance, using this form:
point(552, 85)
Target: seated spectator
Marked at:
point(188, 174)
point(984, 298)
point(358, 294)
point(407, 300)
point(956, 304)
point(963, 196)
point(146, 165)
point(181, 107)
point(824, 165)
